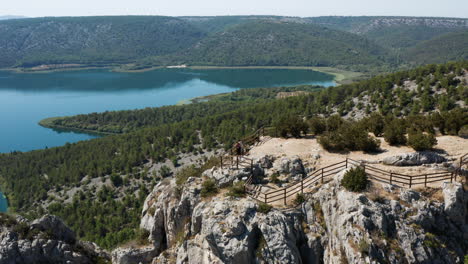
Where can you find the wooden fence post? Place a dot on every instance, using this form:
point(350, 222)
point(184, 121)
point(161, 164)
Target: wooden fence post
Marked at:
point(451, 177)
point(391, 177)
point(302, 186)
point(410, 181)
point(425, 180)
point(346, 163)
point(322, 175)
point(285, 196)
point(265, 198)
point(221, 161)
point(251, 166)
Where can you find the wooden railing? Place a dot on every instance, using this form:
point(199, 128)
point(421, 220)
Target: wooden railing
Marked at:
point(318, 176)
point(236, 162)
point(321, 175)
point(403, 179)
point(249, 141)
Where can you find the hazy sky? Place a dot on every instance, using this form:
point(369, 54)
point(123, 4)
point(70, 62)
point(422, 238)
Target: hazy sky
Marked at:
point(34, 8)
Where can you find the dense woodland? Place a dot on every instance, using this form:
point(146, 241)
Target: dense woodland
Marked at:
point(160, 134)
point(372, 44)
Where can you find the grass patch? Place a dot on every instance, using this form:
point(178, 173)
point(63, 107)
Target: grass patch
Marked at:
point(193, 171)
point(237, 190)
point(364, 246)
point(264, 208)
point(142, 237)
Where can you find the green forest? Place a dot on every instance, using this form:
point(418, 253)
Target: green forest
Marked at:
point(158, 134)
point(366, 44)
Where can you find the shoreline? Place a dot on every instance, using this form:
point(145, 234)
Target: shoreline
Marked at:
point(340, 76)
point(47, 123)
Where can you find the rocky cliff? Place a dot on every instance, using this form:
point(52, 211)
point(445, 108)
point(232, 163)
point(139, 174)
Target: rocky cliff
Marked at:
point(45, 240)
point(382, 225)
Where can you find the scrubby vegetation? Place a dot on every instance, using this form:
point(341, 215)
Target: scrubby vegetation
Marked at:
point(237, 190)
point(264, 208)
point(299, 199)
point(420, 141)
point(355, 180)
point(209, 188)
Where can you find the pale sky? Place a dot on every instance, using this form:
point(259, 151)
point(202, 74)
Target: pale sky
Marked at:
point(37, 8)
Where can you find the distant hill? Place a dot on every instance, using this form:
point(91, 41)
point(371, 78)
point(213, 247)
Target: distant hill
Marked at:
point(284, 43)
point(447, 47)
point(10, 17)
point(394, 32)
point(92, 40)
point(357, 43)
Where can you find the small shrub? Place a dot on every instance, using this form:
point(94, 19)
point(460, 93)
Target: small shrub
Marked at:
point(349, 137)
point(142, 237)
point(291, 125)
point(264, 208)
point(355, 180)
point(21, 229)
point(466, 259)
point(375, 124)
point(420, 141)
point(364, 246)
point(209, 188)
point(300, 198)
point(274, 178)
point(237, 190)
point(116, 180)
point(394, 132)
point(164, 171)
point(152, 210)
point(317, 125)
point(431, 241)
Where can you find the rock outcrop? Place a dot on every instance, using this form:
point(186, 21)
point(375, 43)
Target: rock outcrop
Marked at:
point(414, 159)
point(46, 240)
point(332, 226)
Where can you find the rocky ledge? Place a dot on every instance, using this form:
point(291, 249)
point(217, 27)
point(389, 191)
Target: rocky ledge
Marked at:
point(382, 225)
point(45, 240)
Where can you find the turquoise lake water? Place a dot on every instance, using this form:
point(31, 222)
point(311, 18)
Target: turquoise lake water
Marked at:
point(25, 99)
point(3, 203)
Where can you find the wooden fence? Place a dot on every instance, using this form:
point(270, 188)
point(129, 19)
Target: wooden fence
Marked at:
point(324, 174)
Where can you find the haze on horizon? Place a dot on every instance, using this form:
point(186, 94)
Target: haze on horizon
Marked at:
point(302, 8)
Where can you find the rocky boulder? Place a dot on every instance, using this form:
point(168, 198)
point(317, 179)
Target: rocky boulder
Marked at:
point(456, 202)
point(46, 240)
point(54, 226)
point(292, 166)
point(133, 255)
point(226, 177)
point(414, 159)
point(266, 161)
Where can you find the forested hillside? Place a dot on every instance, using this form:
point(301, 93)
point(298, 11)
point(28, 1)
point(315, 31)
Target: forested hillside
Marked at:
point(394, 32)
point(91, 40)
point(448, 47)
point(285, 43)
point(358, 43)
